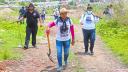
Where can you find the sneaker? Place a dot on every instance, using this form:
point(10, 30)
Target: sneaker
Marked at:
point(59, 69)
point(25, 47)
point(92, 53)
point(34, 46)
point(86, 52)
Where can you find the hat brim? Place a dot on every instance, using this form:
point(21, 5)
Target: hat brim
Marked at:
point(64, 11)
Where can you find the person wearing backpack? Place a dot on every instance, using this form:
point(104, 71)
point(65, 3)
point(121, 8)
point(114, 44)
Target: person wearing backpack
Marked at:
point(32, 18)
point(21, 13)
point(43, 15)
point(64, 27)
point(106, 11)
point(88, 20)
point(56, 13)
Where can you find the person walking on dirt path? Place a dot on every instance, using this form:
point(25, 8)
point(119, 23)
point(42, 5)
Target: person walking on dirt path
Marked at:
point(109, 11)
point(64, 27)
point(88, 20)
point(43, 15)
point(106, 11)
point(21, 13)
point(32, 18)
point(56, 13)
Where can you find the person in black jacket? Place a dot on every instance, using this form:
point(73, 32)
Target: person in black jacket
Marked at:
point(32, 18)
point(21, 13)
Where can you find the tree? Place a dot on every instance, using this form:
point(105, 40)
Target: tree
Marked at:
point(2, 1)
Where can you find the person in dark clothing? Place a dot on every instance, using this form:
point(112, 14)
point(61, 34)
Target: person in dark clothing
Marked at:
point(106, 11)
point(21, 13)
point(43, 15)
point(32, 17)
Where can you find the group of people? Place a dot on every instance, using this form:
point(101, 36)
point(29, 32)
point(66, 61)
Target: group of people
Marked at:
point(109, 11)
point(42, 14)
point(64, 26)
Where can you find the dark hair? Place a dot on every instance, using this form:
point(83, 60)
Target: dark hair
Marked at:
point(89, 5)
point(111, 5)
point(31, 5)
point(89, 8)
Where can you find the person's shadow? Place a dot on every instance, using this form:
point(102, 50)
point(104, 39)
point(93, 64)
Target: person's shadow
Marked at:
point(48, 69)
point(80, 53)
point(83, 54)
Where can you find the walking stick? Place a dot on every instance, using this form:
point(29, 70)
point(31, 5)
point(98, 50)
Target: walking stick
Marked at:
point(20, 42)
point(49, 53)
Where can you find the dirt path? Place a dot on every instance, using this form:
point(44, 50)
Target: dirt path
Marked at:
point(102, 61)
point(36, 60)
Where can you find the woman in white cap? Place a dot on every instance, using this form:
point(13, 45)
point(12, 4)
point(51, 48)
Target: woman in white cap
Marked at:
point(64, 28)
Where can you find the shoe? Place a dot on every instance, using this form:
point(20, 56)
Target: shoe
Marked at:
point(34, 46)
point(86, 52)
point(92, 53)
point(59, 69)
point(25, 47)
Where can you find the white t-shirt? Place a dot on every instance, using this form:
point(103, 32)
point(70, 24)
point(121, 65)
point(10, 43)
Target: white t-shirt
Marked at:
point(56, 13)
point(43, 12)
point(65, 35)
point(89, 21)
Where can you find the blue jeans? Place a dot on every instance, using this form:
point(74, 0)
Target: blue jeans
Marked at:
point(60, 45)
point(89, 35)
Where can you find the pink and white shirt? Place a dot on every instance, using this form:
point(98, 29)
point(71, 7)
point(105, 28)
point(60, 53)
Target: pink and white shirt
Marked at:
point(65, 35)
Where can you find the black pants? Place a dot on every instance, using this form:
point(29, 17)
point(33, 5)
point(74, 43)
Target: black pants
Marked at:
point(29, 31)
point(89, 35)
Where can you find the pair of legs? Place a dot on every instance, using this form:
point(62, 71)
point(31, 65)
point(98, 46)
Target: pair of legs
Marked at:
point(60, 45)
point(89, 35)
point(29, 31)
point(43, 18)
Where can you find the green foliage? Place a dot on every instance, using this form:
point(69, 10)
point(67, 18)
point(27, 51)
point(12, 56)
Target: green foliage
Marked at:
point(9, 36)
point(2, 1)
point(75, 20)
point(116, 37)
point(24, 3)
point(73, 3)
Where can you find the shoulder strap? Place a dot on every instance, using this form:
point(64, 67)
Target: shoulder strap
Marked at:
point(61, 20)
point(69, 20)
point(57, 20)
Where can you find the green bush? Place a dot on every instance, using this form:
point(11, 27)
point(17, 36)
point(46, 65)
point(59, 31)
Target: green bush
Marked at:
point(116, 37)
point(9, 36)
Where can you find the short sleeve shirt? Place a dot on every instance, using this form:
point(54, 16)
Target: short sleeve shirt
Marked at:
point(32, 18)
